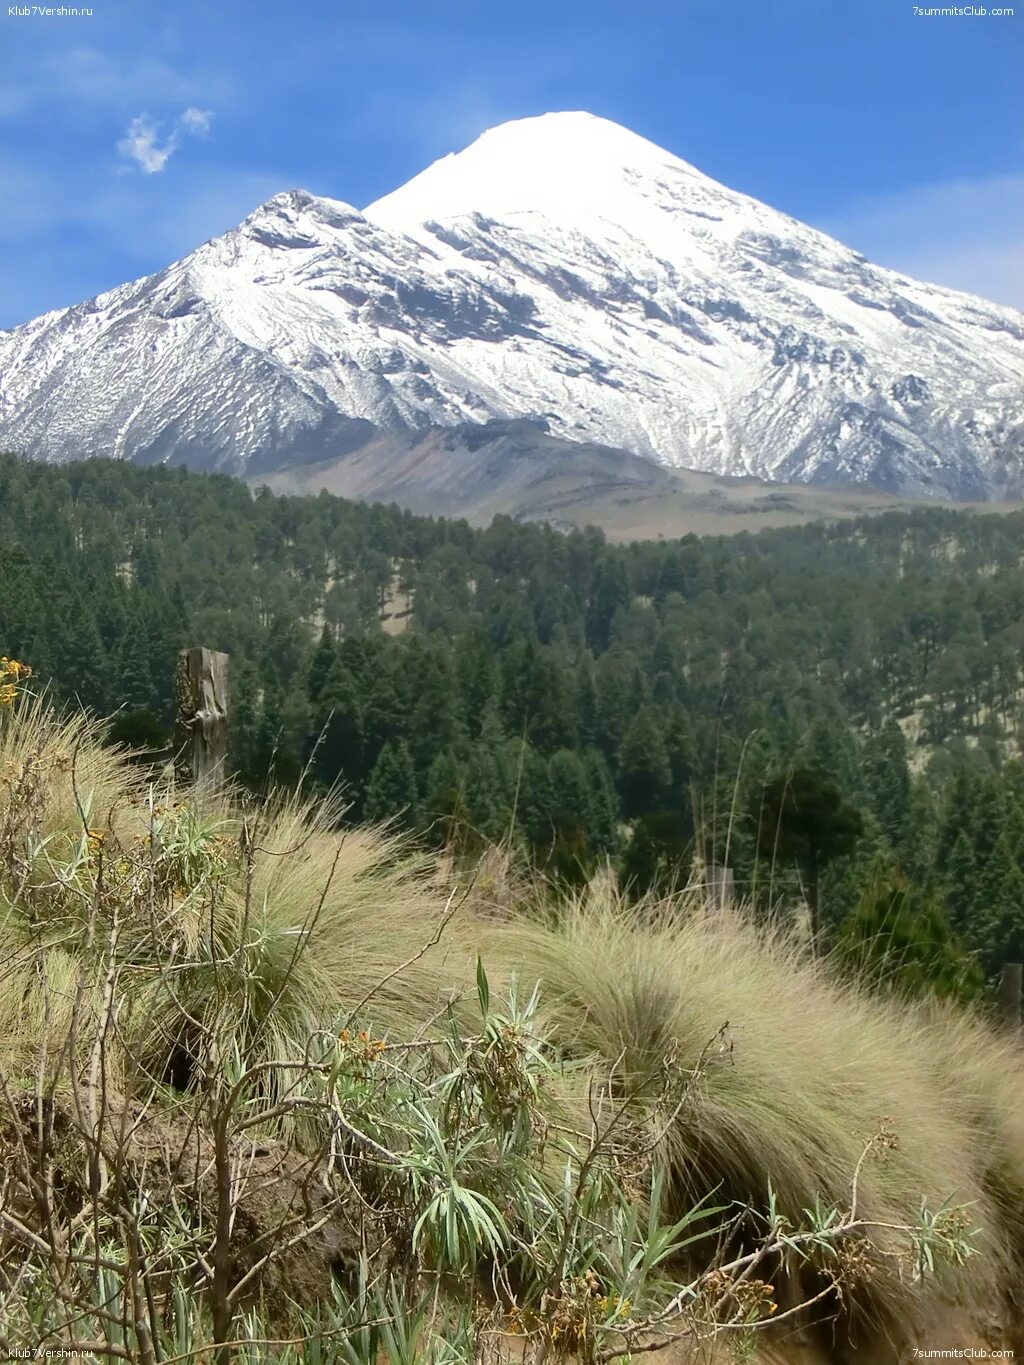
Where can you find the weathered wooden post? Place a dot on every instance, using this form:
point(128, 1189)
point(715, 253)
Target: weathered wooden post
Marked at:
point(201, 715)
point(721, 885)
point(1011, 981)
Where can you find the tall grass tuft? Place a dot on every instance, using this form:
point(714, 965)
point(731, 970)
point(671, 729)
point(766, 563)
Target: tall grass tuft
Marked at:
point(303, 929)
point(800, 1074)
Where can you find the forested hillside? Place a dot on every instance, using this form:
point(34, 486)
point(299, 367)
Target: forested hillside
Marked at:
point(648, 704)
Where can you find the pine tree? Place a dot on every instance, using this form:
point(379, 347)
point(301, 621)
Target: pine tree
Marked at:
point(603, 804)
point(644, 771)
point(267, 737)
point(293, 730)
point(566, 852)
point(805, 819)
point(610, 592)
point(83, 660)
point(488, 792)
point(584, 702)
point(961, 884)
point(443, 807)
point(640, 862)
point(391, 789)
point(997, 922)
point(671, 578)
point(338, 734)
point(244, 724)
point(383, 718)
point(320, 665)
point(432, 724)
point(132, 676)
point(888, 775)
point(898, 938)
point(477, 677)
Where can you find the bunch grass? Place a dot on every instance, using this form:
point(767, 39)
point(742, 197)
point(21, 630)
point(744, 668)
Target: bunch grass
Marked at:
point(224, 958)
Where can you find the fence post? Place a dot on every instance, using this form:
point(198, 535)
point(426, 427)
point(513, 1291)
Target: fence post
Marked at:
point(1010, 981)
point(201, 715)
point(721, 885)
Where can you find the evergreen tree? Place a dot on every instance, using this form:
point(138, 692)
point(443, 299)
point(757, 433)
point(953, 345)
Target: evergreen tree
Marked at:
point(609, 594)
point(320, 665)
point(391, 789)
point(889, 781)
point(899, 938)
point(443, 808)
point(998, 919)
point(245, 716)
point(644, 771)
point(477, 677)
point(805, 819)
point(566, 850)
point(83, 659)
point(132, 679)
point(602, 809)
point(338, 736)
point(961, 882)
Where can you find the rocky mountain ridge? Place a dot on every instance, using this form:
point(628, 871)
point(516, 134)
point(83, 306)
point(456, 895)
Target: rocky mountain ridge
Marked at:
point(561, 269)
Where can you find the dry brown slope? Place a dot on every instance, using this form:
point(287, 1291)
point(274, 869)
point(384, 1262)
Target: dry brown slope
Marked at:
point(518, 469)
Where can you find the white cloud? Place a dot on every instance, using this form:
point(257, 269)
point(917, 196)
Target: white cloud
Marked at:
point(966, 234)
point(196, 121)
point(141, 144)
point(150, 148)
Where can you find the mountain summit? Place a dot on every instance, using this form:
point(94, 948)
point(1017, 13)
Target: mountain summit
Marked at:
point(571, 165)
point(560, 268)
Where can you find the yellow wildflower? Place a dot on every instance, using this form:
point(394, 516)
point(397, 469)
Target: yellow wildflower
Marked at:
point(11, 672)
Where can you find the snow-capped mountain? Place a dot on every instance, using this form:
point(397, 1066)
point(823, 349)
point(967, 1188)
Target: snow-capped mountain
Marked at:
point(560, 268)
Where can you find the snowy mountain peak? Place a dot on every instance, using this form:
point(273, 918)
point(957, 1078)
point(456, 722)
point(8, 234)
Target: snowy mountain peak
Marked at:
point(560, 268)
point(298, 209)
point(565, 165)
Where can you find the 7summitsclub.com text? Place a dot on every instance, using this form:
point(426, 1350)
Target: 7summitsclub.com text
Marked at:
point(962, 12)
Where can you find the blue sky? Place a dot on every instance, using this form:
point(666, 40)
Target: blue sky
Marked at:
point(129, 137)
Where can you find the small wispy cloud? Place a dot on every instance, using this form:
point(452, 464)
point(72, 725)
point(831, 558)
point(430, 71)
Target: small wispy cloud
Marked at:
point(142, 144)
point(151, 144)
point(196, 121)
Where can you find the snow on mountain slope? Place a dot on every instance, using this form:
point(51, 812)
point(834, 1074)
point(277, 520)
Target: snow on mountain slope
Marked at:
point(560, 267)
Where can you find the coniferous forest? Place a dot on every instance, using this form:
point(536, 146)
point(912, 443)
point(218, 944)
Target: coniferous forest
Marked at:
point(832, 710)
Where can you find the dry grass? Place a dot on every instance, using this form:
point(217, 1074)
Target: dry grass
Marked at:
point(813, 1070)
point(292, 932)
point(301, 927)
point(789, 1074)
